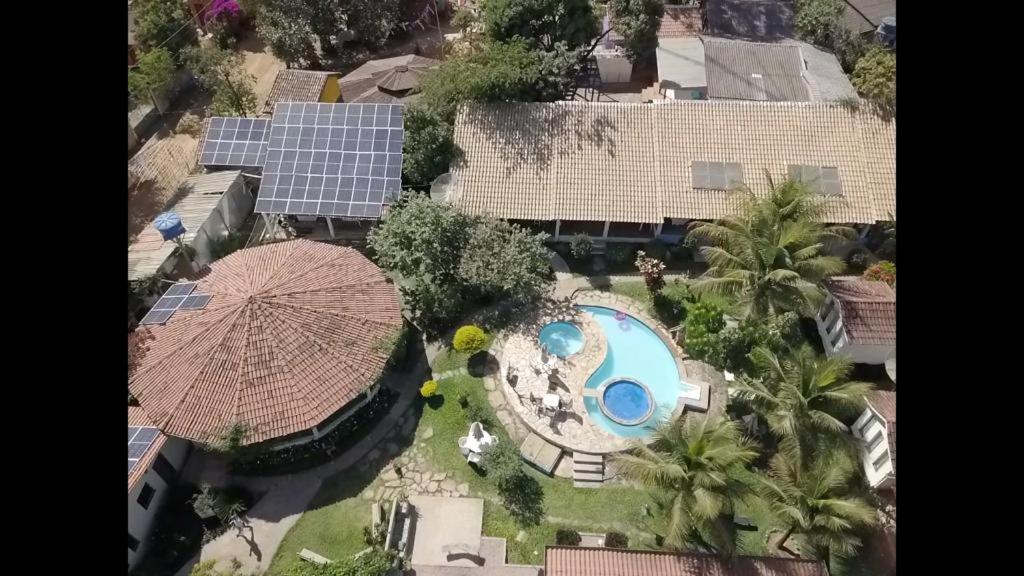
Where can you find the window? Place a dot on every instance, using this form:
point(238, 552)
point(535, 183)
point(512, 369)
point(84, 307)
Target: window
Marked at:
point(881, 460)
point(164, 469)
point(133, 543)
point(819, 179)
point(875, 441)
point(146, 496)
point(717, 175)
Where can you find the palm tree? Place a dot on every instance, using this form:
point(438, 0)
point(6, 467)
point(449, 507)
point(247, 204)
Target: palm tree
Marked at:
point(815, 502)
point(804, 398)
point(699, 466)
point(769, 254)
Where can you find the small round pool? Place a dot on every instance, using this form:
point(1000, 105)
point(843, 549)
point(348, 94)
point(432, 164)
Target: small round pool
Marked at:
point(562, 339)
point(626, 401)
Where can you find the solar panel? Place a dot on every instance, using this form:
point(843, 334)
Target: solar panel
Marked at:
point(177, 297)
point(332, 159)
point(235, 142)
point(139, 440)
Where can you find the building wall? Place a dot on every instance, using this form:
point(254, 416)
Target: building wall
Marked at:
point(140, 520)
point(332, 91)
point(235, 206)
point(835, 340)
point(869, 426)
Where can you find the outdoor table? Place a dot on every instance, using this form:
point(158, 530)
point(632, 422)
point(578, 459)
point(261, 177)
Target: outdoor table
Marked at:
point(551, 401)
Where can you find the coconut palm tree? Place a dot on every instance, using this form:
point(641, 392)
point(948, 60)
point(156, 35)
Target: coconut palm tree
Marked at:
point(768, 254)
point(815, 501)
point(698, 467)
point(804, 398)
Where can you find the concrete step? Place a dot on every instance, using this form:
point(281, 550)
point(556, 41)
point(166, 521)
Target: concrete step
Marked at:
point(583, 467)
point(588, 476)
point(583, 458)
point(582, 484)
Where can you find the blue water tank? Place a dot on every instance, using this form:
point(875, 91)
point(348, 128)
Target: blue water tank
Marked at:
point(169, 225)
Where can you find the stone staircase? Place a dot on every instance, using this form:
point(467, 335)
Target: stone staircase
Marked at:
point(587, 470)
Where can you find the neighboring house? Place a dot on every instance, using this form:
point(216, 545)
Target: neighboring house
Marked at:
point(865, 16)
point(303, 86)
point(718, 68)
point(750, 19)
point(387, 81)
point(154, 462)
point(680, 22)
point(580, 561)
point(876, 427)
point(287, 344)
point(858, 319)
point(210, 206)
point(630, 172)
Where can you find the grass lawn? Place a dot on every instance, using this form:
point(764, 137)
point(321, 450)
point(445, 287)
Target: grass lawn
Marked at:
point(449, 359)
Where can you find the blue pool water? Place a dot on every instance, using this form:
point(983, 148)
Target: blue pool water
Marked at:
point(634, 351)
point(562, 338)
point(627, 401)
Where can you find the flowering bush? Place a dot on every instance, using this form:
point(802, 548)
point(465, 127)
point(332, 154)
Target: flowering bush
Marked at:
point(469, 339)
point(652, 269)
point(226, 8)
point(884, 271)
point(428, 389)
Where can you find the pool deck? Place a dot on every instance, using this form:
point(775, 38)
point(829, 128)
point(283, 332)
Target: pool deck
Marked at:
point(518, 346)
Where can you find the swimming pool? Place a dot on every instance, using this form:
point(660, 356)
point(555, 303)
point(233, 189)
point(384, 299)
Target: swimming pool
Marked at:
point(563, 339)
point(635, 352)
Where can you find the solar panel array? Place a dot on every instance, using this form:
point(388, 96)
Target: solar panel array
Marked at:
point(177, 297)
point(140, 438)
point(235, 142)
point(332, 159)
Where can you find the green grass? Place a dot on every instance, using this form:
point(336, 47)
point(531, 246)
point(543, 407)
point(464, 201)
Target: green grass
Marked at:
point(449, 359)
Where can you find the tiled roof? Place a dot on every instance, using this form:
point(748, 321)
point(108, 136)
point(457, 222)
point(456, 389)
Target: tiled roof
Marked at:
point(732, 64)
point(866, 15)
point(680, 21)
point(399, 74)
point(577, 561)
point(288, 339)
point(137, 417)
point(884, 402)
point(630, 162)
point(867, 307)
point(292, 85)
point(750, 19)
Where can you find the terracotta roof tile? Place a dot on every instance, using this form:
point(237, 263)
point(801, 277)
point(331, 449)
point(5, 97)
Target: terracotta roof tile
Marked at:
point(680, 22)
point(629, 162)
point(867, 307)
point(296, 86)
point(288, 339)
point(577, 561)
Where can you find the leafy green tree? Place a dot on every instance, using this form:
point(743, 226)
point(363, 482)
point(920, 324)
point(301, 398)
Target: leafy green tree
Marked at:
point(817, 21)
point(637, 21)
point(541, 23)
point(221, 72)
point(804, 398)
point(815, 501)
point(429, 145)
point(285, 27)
point(874, 77)
point(768, 255)
point(163, 24)
point(699, 465)
point(154, 71)
point(505, 260)
point(373, 20)
point(520, 493)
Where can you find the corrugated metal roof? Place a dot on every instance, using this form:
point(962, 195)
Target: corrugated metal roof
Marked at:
point(200, 196)
point(741, 70)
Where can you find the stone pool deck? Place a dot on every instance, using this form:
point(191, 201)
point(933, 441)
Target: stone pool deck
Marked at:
point(573, 430)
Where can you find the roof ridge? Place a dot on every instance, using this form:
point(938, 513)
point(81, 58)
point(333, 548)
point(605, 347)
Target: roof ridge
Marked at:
point(671, 553)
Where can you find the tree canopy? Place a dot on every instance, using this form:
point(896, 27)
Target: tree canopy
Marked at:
point(163, 23)
point(818, 21)
point(637, 21)
point(541, 23)
point(221, 72)
point(874, 77)
point(286, 28)
point(154, 71)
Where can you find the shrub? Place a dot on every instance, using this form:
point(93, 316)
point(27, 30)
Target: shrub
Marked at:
point(567, 537)
point(476, 413)
point(858, 259)
point(735, 344)
point(652, 270)
point(883, 270)
point(616, 540)
point(464, 400)
point(581, 246)
point(428, 389)
point(670, 307)
point(469, 339)
point(619, 253)
point(874, 77)
point(704, 321)
point(376, 562)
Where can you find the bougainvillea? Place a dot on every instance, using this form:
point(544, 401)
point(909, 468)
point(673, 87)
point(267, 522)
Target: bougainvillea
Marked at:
point(225, 7)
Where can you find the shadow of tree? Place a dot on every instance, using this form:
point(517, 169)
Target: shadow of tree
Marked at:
point(524, 499)
point(481, 364)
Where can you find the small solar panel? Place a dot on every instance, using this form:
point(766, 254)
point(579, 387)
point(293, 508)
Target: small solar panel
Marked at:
point(235, 142)
point(139, 440)
point(177, 297)
point(340, 160)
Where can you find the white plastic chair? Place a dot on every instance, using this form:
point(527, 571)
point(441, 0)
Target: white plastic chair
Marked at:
point(463, 446)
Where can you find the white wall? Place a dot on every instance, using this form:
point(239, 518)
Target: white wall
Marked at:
point(235, 206)
point(860, 353)
point(140, 520)
point(866, 428)
point(613, 66)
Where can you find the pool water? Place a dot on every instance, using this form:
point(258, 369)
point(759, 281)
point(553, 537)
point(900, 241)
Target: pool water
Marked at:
point(562, 339)
point(636, 352)
point(626, 401)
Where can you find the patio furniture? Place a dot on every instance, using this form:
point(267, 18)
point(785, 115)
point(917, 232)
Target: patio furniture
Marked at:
point(551, 401)
point(464, 446)
point(566, 405)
